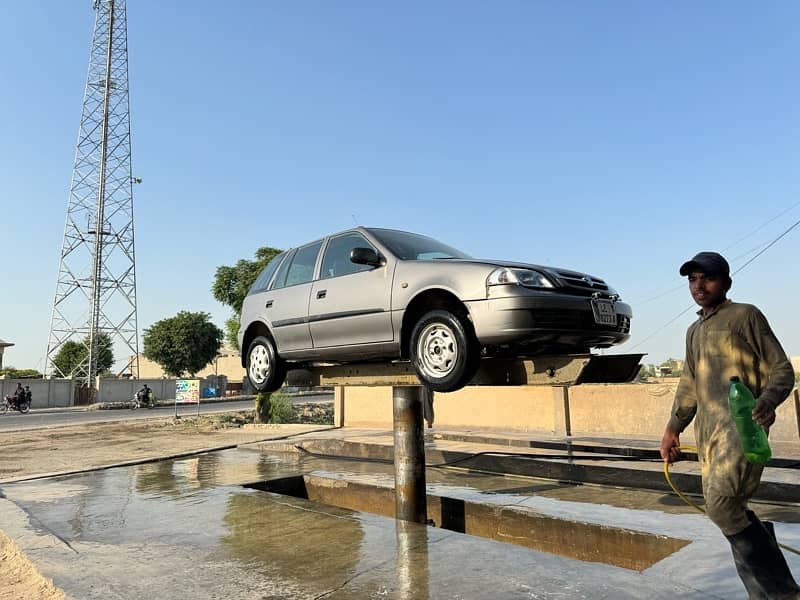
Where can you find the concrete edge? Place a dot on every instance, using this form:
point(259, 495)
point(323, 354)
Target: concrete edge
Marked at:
point(142, 461)
point(567, 469)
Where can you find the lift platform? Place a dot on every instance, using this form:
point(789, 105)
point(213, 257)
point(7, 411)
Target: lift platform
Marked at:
point(409, 395)
point(565, 370)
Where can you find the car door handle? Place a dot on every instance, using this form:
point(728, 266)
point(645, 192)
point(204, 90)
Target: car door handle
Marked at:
point(321, 294)
point(268, 304)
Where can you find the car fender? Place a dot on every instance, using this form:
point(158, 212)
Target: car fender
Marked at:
point(467, 282)
point(243, 332)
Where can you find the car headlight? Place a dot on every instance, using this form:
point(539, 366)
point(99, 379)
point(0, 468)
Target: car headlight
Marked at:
point(523, 277)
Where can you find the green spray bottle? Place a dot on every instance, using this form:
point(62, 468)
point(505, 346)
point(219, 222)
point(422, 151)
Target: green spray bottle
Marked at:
point(752, 436)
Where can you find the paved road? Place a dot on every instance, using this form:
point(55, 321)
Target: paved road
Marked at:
point(58, 418)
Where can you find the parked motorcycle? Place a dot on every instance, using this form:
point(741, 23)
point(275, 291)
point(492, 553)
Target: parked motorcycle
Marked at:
point(10, 402)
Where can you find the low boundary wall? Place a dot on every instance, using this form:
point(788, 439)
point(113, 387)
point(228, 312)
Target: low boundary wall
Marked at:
point(45, 393)
point(625, 410)
point(59, 393)
point(123, 390)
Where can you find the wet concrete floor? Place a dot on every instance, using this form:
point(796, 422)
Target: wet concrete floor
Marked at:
point(188, 528)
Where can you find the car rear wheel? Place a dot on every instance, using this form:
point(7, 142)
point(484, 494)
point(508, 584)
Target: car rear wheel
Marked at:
point(443, 351)
point(265, 369)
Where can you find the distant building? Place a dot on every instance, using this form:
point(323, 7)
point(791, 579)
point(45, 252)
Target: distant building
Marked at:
point(226, 363)
point(3, 346)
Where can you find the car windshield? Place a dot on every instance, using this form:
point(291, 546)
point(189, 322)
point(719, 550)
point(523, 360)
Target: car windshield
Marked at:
point(411, 246)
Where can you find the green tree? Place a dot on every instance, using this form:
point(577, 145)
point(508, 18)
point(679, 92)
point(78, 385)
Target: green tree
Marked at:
point(646, 371)
point(73, 354)
point(13, 373)
point(184, 343)
point(232, 283)
point(675, 366)
point(273, 407)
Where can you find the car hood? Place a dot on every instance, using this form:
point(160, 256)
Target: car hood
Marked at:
point(567, 279)
point(555, 271)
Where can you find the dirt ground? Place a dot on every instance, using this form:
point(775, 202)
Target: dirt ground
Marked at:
point(73, 448)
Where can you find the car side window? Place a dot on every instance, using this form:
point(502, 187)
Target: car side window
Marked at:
point(262, 281)
point(302, 268)
point(280, 276)
point(336, 261)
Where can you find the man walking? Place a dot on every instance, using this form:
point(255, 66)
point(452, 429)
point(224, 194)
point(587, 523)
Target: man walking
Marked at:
point(731, 339)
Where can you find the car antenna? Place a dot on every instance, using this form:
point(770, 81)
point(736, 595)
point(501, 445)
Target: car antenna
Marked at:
point(355, 220)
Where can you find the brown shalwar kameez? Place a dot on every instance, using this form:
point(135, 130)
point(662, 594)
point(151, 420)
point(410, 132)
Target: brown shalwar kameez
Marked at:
point(733, 339)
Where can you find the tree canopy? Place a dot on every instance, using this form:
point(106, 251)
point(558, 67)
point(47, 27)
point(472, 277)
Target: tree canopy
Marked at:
point(15, 373)
point(182, 344)
point(232, 283)
point(73, 354)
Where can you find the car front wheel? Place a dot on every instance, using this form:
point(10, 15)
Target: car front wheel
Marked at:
point(443, 351)
point(265, 369)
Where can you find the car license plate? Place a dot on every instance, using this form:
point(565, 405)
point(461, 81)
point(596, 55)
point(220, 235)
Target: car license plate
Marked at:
point(604, 312)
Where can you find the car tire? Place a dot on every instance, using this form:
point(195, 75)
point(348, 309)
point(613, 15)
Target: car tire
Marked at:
point(265, 369)
point(444, 351)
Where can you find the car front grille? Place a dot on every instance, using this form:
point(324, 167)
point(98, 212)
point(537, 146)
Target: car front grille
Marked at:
point(584, 285)
point(559, 319)
point(575, 320)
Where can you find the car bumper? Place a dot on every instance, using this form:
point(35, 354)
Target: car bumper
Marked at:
point(550, 320)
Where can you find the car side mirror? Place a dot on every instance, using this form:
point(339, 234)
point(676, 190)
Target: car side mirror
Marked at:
point(365, 256)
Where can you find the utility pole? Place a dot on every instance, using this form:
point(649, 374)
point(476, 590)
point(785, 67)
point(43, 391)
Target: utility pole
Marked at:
point(95, 299)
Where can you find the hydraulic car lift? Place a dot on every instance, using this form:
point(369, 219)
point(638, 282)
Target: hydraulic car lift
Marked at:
point(408, 397)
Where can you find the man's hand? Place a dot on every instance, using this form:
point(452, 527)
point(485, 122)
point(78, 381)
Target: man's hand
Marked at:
point(764, 414)
point(670, 446)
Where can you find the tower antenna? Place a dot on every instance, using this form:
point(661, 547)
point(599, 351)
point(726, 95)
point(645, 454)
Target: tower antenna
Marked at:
point(95, 298)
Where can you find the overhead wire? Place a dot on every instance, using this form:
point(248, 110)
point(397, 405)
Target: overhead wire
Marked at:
point(733, 245)
point(760, 227)
point(738, 270)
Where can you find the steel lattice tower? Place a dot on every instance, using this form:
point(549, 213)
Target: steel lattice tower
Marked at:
point(96, 287)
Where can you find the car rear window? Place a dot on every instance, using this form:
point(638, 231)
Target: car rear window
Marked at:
point(262, 281)
point(280, 277)
point(303, 263)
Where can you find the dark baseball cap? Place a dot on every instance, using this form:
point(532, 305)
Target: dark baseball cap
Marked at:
point(710, 263)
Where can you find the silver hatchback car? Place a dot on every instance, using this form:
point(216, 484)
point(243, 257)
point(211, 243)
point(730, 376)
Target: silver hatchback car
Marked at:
point(370, 294)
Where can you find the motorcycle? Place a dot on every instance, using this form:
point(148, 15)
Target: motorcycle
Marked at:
point(10, 402)
point(139, 401)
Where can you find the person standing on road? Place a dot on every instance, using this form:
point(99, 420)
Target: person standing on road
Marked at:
point(730, 339)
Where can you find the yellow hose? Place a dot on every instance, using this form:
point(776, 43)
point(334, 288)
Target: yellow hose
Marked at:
point(692, 504)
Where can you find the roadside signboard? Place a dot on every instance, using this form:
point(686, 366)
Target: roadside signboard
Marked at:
point(187, 391)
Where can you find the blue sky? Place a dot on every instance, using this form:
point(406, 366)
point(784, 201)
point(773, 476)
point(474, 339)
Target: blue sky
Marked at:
point(616, 138)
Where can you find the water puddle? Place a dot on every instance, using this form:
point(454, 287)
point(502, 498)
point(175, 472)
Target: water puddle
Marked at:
point(590, 542)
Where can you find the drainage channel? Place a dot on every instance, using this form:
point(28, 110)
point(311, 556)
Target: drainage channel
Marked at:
point(590, 542)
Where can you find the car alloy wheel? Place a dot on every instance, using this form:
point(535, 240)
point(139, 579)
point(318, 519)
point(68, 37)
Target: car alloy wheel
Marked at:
point(265, 370)
point(444, 351)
